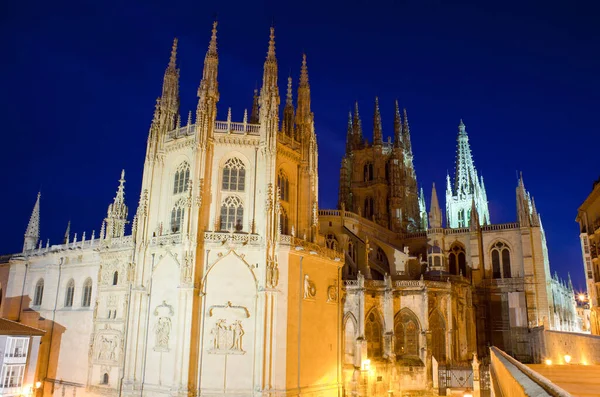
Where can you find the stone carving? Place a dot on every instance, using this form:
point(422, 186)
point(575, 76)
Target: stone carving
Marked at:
point(309, 288)
point(272, 273)
point(227, 339)
point(239, 310)
point(186, 271)
point(107, 348)
point(332, 292)
point(162, 328)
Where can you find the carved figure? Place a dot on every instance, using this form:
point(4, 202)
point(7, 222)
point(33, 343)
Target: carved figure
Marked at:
point(163, 331)
point(309, 288)
point(238, 332)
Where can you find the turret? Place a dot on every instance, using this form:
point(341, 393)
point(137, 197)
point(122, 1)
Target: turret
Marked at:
point(208, 92)
point(397, 127)
point(377, 129)
point(255, 108)
point(169, 104)
point(32, 234)
point(116, 216)
point(287, 126)
point(435, 212)
point(269, 98)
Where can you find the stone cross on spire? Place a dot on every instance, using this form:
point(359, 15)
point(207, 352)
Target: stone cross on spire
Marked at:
point(32, 234)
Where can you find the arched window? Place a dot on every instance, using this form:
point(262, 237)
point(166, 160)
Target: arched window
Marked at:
point(352, 251)
point(177, 214)
point(234, 175)
point(70, 291)
point(406, 332)
point(284, 186)
point(86, 299)
point(368, 172)
point(461, 218)
point(349, 340)
point(232, 214)
point(437, 325)
point(373, 331)
point(500, 261)
point(115, 278)
point(182, 178)
point(283, 221)
point(457, 260)
point(105, 379)
point(39, 293)
point(368, 208)
point(331, 241)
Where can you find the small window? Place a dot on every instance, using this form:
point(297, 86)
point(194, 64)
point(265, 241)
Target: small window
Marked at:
point(104, 379)
point(86, 299)
point(500, 261)
point(70, 291)
point(182, 178)
point(283, 184)
point(368, 172)
point(39, 293)
point(234, 175)
point(232, 214)
point(115, 278)
point(369, 207)
point(177, 215)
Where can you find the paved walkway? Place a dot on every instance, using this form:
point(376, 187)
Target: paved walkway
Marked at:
point(579, 380)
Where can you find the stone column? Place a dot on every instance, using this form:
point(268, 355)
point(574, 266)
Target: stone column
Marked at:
point(476, 383)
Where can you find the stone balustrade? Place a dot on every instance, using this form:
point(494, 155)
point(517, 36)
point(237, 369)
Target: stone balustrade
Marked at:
point(511, 378)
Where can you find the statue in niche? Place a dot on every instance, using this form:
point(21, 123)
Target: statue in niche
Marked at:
point(162, 328)
point(309, 288)
point(162, 332)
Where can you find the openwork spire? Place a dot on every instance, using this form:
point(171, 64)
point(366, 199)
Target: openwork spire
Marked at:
point(303, 112)
point(208, 92)
point(169, 101)
point(288, 97)
point(288, 112)
point(349, 134)
point(116, 216)
point(377, 129)
point(304, 72)
point(212, 46)
point(406, 134)
point(173, 59)
point(397, 127)
point(357, 126)
point(32, 234)
point(271, 50)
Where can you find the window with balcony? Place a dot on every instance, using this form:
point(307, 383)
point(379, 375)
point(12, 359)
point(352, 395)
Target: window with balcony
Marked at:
point(232, 214)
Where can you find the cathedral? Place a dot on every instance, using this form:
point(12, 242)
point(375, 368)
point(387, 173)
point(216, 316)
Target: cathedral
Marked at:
point(229, 280)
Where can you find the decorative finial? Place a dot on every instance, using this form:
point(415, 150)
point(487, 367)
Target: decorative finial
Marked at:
point(212, 47)
point(271, 51)
point(245, 116)
point(288, 100)
point(189, 122)
point(461, 127)
point(173, 60)
point(304, 72)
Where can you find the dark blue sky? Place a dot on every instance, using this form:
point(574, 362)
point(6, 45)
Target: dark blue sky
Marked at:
point(80, 80)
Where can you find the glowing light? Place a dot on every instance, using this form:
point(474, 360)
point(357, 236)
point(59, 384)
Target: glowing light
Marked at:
point(38, 384)
point(548, 362)
point(366, 365)
point(467, 394)
point(581, 297)
point(567, 358)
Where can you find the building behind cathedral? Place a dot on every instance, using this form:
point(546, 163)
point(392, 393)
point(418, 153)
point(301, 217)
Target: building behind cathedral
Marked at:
point(230, 279)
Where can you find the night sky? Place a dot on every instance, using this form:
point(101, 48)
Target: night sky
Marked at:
point(80, 82)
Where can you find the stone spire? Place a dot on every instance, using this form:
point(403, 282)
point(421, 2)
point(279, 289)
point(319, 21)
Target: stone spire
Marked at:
point(423, 210)
point(397, 127)
point(269, 97)
point(474, 218)
point(255, 108)
point(116, 216)
point(377, 129)
point(349, 134)
point(288, 112)
point(435, 212)
point(32, 234)
point(208, 91)
point(358, 134)
point(303, 113)
point(406, 134)
point(467, 187)
point(169, 102)
point(67, 233)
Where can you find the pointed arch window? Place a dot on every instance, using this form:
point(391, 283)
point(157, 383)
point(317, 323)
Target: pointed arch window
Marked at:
point(69, 293)
point(500, 261)
point(368, 207)
point(461, 218)
point(331, 242)
point(457, 260)
point(232, 214)
point(283, 184)
point(39, 292)
point(182, 178)
point(283, 221)
point(177, 214)
point(406, 332)
point(368, 172)
point(373, 333)
point(86, 298)
point(437, 324)
point(352, 251)
point(349, 340)
point(234, 175)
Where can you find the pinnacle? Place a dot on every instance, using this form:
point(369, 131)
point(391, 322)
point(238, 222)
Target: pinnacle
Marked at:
point(304, 72)
point(212, 47)
point(173, 59)
point(271, 51)
point(288, 100)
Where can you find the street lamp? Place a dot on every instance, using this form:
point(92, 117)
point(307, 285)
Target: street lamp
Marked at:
point(468, 393)
point(567, 358)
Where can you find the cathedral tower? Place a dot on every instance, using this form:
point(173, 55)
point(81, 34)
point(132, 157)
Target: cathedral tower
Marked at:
point(468, 187)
